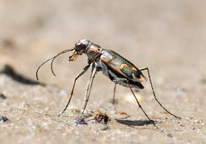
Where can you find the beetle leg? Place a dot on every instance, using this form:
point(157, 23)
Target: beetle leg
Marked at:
point(114, 91)
point(89, 87)
point(120, 80)
point(126, 80)
point(146, 68)
point(82, 72)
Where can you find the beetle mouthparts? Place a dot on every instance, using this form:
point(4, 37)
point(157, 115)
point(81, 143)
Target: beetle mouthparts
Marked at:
point(73, 56)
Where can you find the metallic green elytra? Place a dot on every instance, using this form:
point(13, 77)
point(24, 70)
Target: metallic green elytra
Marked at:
point(118, 69)
point(123, 69)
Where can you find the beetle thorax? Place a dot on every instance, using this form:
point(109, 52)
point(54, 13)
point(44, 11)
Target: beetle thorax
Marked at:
point(93, 51)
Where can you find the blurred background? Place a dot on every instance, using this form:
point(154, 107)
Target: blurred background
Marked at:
point(166, 36)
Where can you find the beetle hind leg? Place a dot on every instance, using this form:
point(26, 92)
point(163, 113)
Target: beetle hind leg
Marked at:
point(127, 81)
point(146, 68)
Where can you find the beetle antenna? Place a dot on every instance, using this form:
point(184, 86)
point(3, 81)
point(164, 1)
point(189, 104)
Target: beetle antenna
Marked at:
point(53, 58)
point(65, 51)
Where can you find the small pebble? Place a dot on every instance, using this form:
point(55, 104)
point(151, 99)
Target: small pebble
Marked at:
point(197, 121)
point(130, 98)
point(3, 118)
point(104, 127)
point(179, 91)
point(2, 96)
point(169, 135)
point(123, 113)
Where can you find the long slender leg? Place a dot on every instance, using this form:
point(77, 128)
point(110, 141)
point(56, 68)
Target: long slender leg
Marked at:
point(82, 72)
point(88, 84)
point(89, 90)
point(125, 80)
point(146, 68)
point(114, 91)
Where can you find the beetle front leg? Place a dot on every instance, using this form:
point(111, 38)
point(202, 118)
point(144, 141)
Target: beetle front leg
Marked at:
point(146, 68)
point(82, 72)
point(89, 87)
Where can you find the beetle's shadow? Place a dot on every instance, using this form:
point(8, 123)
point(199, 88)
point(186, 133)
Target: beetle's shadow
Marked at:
point(135, 122)
point(9, 71)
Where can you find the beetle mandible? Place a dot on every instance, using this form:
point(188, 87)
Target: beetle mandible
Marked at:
point(115, 67)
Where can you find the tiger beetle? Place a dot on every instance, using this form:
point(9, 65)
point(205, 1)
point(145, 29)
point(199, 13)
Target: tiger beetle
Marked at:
point(115, 67)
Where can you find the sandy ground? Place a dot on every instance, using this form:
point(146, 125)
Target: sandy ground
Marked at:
point(166, 36)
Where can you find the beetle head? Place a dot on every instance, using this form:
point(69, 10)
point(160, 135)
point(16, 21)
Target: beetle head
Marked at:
point(79, 49)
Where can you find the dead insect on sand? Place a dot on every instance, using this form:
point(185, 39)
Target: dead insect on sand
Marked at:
point(101, 117)
point(115, 67)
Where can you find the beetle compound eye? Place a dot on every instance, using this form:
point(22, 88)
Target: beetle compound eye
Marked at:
point(79, 46)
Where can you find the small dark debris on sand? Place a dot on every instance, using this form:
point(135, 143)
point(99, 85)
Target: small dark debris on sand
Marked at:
point(80, 121)
point(2, 96)
point(113, 101)
point(3, 118)
point(169, 135)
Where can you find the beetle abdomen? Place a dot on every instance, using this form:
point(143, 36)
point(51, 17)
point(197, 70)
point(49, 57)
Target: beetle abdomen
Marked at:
point(113, 75)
